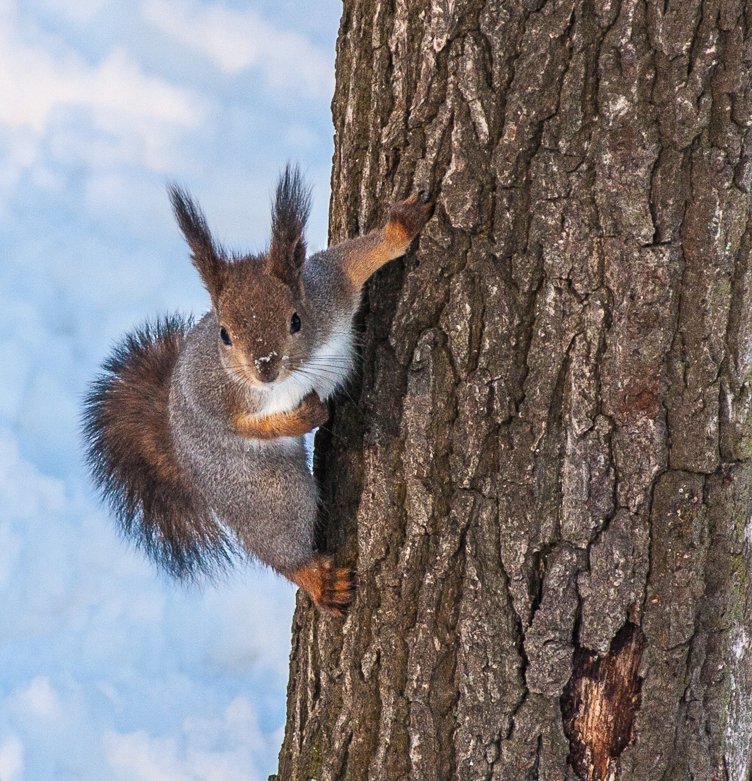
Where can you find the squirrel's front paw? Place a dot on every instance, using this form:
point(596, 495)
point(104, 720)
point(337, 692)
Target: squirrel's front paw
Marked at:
point(313, 411)
point(411, 214)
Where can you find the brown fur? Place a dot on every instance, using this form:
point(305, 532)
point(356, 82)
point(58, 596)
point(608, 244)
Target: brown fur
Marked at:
point(255, 296)
point(367, 254)
point(263, 330)
point(292, 206)
point(204, 252)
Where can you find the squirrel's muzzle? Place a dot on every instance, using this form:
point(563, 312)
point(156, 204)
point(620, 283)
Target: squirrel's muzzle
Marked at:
point(267, 368)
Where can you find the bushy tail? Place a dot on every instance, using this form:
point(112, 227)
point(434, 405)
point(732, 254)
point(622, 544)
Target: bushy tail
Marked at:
point(132, 458)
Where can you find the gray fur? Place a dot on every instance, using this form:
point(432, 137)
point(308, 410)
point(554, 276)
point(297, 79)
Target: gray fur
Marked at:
point(261, 490)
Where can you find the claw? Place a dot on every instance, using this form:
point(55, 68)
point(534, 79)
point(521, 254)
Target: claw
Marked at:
point(315, 411)
point(412, 213)
point(331, 588)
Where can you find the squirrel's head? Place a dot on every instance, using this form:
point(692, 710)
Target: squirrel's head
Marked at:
point(265, 329)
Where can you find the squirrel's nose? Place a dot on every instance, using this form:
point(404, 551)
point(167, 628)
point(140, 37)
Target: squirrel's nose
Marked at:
point(267, 368)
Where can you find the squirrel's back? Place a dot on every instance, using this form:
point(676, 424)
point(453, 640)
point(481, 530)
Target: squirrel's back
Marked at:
point(132, 457)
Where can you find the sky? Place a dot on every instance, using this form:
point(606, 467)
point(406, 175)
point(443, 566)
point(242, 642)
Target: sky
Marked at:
point(108, 670)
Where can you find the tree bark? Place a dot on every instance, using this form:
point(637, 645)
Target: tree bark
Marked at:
point(543, 474)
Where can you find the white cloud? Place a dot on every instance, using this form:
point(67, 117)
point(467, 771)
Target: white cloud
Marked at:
point(95, 644)
point(220, 749)
point(39, 699)
point(11, 759)
point(138, 757)
point(239, 40)
point(37, 82)
point(27, 493)
point(77, 10)
point(56, 104)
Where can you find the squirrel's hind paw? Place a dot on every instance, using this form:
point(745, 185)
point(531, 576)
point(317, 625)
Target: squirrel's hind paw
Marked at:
point(339, 591)
point(331, 588)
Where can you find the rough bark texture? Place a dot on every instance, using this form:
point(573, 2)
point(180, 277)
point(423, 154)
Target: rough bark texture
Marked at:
point(543, 475)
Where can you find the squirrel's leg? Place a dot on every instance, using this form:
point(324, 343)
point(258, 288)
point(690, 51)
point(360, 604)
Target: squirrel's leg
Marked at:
point(362, 257)
point(308, 415)
point(331, 588)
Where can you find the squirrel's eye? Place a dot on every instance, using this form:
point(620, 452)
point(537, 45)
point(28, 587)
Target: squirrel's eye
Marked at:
point(294, 323)
point(224, 336)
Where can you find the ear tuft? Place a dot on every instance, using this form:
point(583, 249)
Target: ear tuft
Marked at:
point(205, 254)
point(292, 206)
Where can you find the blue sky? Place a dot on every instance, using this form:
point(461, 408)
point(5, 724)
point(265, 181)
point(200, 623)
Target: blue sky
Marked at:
point(108, 670)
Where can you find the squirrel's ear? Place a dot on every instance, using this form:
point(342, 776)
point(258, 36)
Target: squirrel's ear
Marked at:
point(292, 205)
point(206, 255)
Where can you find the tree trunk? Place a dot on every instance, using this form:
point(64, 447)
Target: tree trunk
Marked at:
point(543, 475)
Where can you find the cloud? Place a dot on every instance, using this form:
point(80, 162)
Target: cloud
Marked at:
point(39, 699)
point(78, 10)
point(236, 41)
point(107, 665)
point(39, 83)
point(11, 759)
point(59, 108)
point(220, 749)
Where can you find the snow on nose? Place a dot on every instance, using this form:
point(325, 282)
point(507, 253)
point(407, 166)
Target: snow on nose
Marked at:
point(267, 366)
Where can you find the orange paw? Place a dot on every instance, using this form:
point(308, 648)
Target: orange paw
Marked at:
point(331, 588)
point(410, 215)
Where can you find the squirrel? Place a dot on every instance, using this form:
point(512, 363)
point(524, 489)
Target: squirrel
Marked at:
point(194, 431)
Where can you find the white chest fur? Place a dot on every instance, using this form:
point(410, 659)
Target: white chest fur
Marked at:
point(326, 370)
